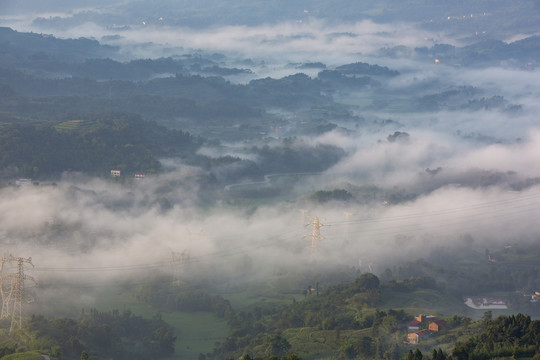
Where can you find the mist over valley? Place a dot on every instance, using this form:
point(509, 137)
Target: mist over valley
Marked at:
point(219, 180)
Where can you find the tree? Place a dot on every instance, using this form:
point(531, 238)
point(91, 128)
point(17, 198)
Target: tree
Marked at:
point(367, 281)
point(276, 345)
point(348, 350)
point(390, 323)
point(416, 355)
point(164, 338)
point(392, 353)
point(84, 356)
point(438, 355)
point(378, 349)
point(365, 346)
point(487, 317)
point(292, 356)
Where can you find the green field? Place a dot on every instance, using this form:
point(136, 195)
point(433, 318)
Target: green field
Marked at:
point(424, 301)
point(323, 343)
point(30, 355)
point(73, 125)
point(196, 332)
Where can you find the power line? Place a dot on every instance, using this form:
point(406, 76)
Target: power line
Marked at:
point(432, 221)
point(225, 253)
point(477, 206)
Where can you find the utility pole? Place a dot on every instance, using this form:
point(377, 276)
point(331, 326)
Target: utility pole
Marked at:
point(315, 236)
point(13, 295)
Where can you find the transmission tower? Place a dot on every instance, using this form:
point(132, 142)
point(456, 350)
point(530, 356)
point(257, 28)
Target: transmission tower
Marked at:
point(178, 259)
point(6, 297)
point(6, 284)
point(315, 236)
point(12, 289)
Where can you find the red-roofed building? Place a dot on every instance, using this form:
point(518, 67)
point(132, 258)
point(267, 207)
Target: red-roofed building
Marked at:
point(413, 326)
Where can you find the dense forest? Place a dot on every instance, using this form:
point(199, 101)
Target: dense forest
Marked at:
point(94, 145)
point(96, 334)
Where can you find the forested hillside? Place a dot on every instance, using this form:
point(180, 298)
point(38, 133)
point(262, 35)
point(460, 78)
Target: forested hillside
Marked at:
point(93, 145)
point(96, 334)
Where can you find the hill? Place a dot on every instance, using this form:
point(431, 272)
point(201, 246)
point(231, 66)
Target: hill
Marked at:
point(498, 18)
point(94, 145)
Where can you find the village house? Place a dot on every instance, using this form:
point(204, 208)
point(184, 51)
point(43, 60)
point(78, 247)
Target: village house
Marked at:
point(416, 324)
point(413, 326)
point(415, 337)
point(115, 173)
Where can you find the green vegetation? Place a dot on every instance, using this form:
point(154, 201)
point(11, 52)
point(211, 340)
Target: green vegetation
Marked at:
point(367, 318)
point(322, 196)
point(100, 334)
point(516, 336)
point(29, 355)
point(337, 318)
point(295, 157)
point(196, 332)
point(102, 114)
point(507, 337)
point(268, 330)
point(94, 146)
point(161, 294)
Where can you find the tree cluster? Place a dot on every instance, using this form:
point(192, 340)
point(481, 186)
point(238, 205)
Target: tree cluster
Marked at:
point(93, 145)
point(160, 294)
point(99, 334)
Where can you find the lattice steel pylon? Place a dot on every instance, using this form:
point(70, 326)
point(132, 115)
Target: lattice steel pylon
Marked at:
point(177, 261)
point(315, 236)
point(5, 289)
point(12, 289)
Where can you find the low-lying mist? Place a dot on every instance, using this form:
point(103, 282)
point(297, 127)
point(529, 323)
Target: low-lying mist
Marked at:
point(293, 41)
point(411, 195)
